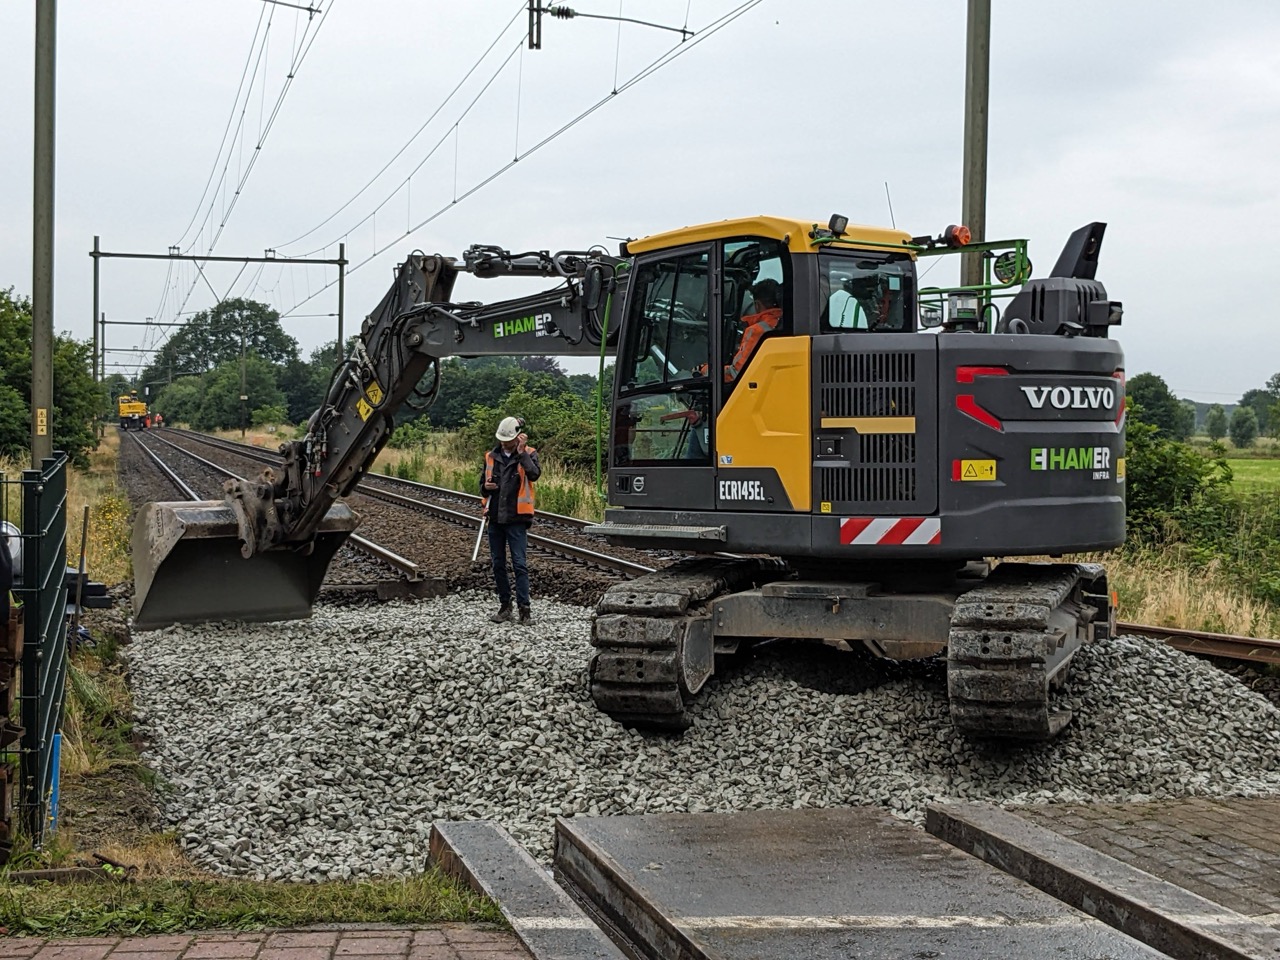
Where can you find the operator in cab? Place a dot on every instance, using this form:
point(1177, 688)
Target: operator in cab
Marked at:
point(506, 483)
point(765, 315)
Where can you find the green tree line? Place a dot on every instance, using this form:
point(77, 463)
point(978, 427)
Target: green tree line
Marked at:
point(77, 399)
point(1257, 413)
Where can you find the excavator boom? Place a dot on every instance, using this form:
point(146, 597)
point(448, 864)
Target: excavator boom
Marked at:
point(268, 543)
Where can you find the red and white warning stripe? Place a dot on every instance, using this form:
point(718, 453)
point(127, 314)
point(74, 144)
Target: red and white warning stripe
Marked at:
point(891, 531)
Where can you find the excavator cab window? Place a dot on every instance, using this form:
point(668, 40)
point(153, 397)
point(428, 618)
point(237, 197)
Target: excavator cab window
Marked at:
point(861, 291)
point(664, 391)
point(755, 300)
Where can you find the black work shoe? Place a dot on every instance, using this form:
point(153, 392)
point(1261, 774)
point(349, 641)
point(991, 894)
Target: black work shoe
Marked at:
point(526, 616)
point(503, 614)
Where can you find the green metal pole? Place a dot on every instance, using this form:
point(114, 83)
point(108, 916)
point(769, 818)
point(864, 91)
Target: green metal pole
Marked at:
point(42, 239)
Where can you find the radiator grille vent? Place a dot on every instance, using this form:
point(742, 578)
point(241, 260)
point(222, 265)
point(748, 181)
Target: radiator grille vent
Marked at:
point(898, 449)
point(869, 485)
point(868, 385)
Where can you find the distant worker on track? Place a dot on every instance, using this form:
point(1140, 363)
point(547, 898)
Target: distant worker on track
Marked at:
point(506, 483)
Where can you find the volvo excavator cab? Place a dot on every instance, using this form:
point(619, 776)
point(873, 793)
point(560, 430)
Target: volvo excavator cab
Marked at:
point(837, 447)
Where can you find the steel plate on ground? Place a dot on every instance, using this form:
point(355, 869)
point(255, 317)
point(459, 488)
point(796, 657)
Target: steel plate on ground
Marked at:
point(852, 882)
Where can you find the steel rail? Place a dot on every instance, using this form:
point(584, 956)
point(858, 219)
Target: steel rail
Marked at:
point(176, 480)
point(547, 544)
point(1255, 649)
point(375, 550)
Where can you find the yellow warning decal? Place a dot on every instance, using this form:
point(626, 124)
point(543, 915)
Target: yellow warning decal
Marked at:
point(826, 506)
point(1119, 469)
point(365, 407)
point(977, 469)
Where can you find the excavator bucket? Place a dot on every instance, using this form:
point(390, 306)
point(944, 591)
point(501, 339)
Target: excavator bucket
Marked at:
point(188, 567)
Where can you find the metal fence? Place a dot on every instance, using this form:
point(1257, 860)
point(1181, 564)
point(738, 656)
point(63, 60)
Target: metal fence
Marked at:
point(40, 587)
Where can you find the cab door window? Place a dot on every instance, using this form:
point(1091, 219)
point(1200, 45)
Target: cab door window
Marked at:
point(663, 407)
point(755, 301)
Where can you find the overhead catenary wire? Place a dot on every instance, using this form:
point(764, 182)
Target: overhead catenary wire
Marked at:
point(657, 64)
point(452, 93)
point(226, 130)
point(298, 56)
point(237, 138)
point(450, 132)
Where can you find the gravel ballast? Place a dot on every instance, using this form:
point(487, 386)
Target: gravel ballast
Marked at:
point(325, 748)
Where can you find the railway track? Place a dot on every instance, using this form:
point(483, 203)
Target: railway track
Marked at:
point(465, 509)
point(1229, 646)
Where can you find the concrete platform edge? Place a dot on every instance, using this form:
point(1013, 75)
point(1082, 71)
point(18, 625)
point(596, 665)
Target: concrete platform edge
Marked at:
point(1154, 911)
point(550, 924)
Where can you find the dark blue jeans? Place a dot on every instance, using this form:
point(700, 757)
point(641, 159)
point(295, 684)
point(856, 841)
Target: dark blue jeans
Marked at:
point(513, 537)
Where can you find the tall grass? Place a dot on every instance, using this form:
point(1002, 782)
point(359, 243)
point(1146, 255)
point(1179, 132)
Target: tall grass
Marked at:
point(1155, 588)
point(107, 544)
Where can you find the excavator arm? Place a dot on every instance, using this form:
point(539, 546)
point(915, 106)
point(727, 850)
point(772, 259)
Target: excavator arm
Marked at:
point(274, 536)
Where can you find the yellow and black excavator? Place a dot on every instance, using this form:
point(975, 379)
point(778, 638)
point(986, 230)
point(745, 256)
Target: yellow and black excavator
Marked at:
point(840, 452)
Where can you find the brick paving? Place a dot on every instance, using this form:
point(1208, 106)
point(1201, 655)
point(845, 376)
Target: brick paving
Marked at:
point(448, 941)
point(1227, 851)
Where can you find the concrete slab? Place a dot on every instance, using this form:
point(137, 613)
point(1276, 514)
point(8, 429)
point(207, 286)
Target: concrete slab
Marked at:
point(548, 922)
point(1159, 913)
point(816, 884)
point(1227, 849)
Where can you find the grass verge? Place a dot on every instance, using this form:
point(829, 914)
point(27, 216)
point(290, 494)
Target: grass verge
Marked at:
point(1255, 474)
point(1157, 590)
point(107, 545)
point(168, 906)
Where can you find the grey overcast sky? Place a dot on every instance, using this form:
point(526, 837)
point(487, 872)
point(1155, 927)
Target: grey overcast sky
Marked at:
point(1161, 117)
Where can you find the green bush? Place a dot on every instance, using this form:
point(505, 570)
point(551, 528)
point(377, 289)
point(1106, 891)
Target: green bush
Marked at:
point(1181, 503)
point(415, 433)
point(562, 427)
point(273, 413)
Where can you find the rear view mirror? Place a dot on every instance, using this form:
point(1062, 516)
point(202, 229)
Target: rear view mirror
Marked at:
point(1010, 268)
point(593, 287)
point(930, 316)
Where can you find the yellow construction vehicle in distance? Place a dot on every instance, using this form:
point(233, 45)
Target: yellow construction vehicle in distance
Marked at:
point(132, 411)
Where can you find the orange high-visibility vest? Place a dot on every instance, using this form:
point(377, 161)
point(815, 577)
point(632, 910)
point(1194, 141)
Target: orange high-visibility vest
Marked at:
point(524, 497)
point(757, 325)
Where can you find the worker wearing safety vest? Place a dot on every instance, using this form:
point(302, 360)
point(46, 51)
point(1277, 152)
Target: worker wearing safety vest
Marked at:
point(506, 483)
point(766, 313)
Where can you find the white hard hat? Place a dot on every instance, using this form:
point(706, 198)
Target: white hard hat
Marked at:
point(508, 428)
